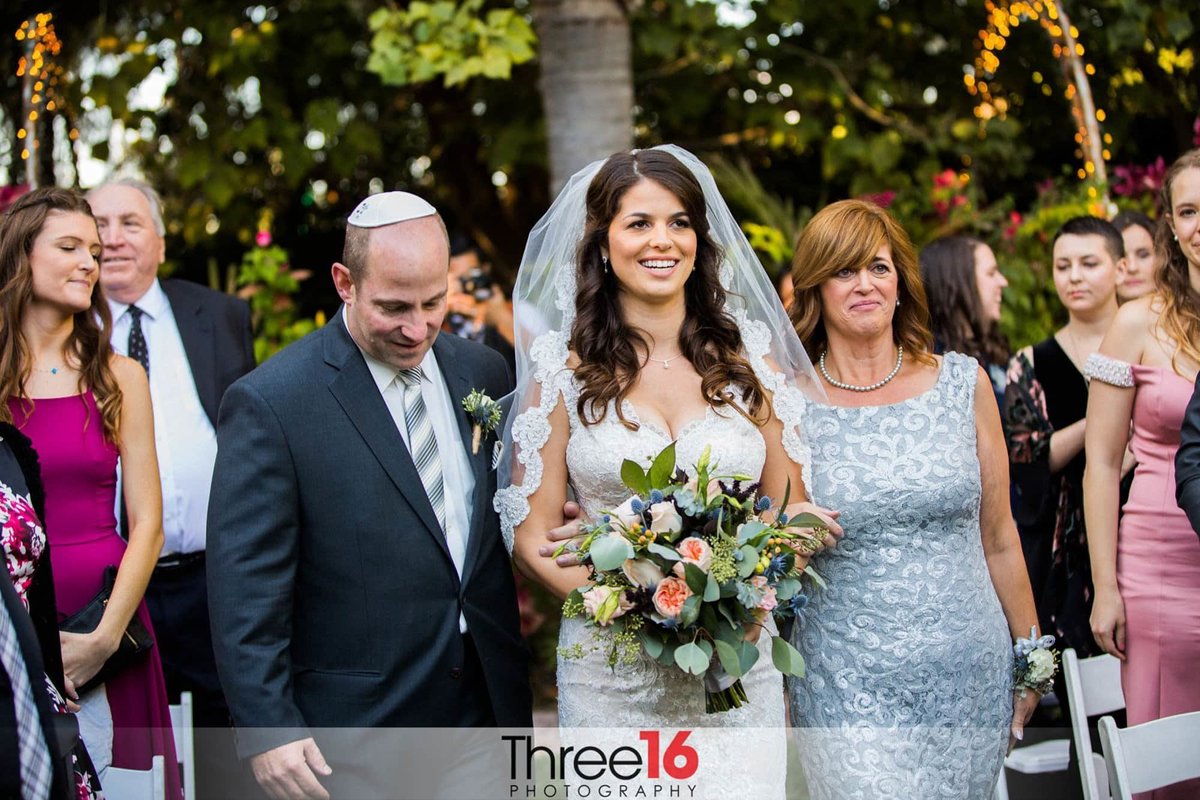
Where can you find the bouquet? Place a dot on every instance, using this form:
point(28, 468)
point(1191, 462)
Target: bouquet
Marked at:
point(687, 569)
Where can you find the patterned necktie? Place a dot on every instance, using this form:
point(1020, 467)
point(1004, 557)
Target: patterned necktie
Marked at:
point(422, 444)
point(137, 340)
point(34, 757)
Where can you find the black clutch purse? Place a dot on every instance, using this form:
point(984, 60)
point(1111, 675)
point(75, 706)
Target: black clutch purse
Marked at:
point(134, 643)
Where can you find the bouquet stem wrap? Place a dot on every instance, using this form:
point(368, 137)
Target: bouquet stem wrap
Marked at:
point(722, 691)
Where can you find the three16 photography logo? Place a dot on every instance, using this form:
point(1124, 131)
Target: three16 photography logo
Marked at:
point(645, 767)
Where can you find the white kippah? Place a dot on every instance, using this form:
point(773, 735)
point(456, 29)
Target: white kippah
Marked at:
point(388, 208)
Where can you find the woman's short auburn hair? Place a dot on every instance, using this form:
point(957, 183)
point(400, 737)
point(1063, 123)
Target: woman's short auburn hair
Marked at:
point(849, 233)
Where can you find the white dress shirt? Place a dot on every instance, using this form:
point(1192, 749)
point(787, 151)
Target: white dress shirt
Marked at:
point(183, 435)
point(458, 479)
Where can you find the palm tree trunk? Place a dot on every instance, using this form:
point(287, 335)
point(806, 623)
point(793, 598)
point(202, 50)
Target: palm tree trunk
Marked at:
point(587, 82)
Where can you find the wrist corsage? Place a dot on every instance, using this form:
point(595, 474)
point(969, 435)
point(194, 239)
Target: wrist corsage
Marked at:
point(485, 416)
point(1034, 663)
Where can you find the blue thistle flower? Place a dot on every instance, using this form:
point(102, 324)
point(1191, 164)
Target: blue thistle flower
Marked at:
point(797, 602)
point(656, 496)
point(637, 505)
point(762, 504)
point(605, 518)
point(783, 518)
point(778, 567)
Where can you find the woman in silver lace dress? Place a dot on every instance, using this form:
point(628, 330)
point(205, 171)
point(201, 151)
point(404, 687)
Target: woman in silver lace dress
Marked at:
point(660, 326)
point(909, 691)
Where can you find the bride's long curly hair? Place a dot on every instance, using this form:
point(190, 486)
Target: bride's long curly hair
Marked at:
point(610, 348)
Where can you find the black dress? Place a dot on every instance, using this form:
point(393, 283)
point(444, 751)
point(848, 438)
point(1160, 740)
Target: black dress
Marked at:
point(1046, 393)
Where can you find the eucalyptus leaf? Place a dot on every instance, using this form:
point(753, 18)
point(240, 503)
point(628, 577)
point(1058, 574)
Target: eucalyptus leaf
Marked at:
point(663, 551)
point(749, 559)
point(749, 531)
point(786, 588)
point(691, 658)
point(787, 658)
point(653, 645)
point(690, 611)
point(712, 590)
point(747, 655)
point(817, 579)
point(728, 656)
point(609, 552)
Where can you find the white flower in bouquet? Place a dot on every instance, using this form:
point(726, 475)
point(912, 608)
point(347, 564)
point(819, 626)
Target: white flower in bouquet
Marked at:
point(664, 518)
point(642, 572)
point(605, 603)
point(625, 514)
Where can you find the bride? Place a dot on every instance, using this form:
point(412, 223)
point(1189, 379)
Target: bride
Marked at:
point(643, 317)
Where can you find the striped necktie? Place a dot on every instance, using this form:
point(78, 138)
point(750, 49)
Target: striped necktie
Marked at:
point(37, 772)
point(422, 444)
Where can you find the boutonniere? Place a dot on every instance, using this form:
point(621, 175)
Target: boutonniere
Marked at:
point(485, 416)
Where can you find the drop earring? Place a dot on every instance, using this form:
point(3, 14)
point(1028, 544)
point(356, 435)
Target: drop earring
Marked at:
point(604, 260)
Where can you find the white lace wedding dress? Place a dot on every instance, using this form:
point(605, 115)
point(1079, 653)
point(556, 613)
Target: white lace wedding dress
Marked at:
point(742, 752)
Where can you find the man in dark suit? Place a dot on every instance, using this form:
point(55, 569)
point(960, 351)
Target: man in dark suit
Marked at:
point(194, 342)
point(358, 579)
point(1187, 461)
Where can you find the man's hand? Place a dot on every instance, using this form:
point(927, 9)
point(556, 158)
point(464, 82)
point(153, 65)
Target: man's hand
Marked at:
point(286, 773)
point(565, 532)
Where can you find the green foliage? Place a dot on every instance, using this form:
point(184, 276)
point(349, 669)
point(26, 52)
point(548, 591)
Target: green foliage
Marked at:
point(269, 284)
point(454, 40)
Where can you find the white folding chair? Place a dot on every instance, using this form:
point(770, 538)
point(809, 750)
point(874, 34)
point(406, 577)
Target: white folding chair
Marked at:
point(1052, 755)
point(136, 784)
point(1093, 688)
point(185, 742)
point(1158, 753)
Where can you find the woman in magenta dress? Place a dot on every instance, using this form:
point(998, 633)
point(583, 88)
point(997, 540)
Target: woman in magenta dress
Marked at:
point(1147, 574)
point(84, 407)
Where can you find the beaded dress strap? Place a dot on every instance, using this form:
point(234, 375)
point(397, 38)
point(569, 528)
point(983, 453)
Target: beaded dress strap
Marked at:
point(1109, 370)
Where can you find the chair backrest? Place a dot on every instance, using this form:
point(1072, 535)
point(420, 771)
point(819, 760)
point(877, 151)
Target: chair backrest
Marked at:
point(1093, 687)
point(1150, 755)
point(137, 784)
point(185, 742)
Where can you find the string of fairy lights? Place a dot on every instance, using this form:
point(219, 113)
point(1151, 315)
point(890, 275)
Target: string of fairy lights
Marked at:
point(41, 76)
point(1003, 18)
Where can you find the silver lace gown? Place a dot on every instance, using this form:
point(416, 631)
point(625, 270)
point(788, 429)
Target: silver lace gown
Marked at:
point(909, 685)
point(734, 764)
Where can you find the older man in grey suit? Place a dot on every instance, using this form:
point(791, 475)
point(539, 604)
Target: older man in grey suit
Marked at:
point(357, 574)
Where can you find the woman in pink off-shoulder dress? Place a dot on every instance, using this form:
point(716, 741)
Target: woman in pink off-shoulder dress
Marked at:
point(1147, 574)
point(84, 407)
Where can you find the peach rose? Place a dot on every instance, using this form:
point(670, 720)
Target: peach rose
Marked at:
point(693, 550)
point(664, 518)
point(670, 596)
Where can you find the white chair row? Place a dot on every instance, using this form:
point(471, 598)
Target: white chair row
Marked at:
point(151, 784)
point(1136, 759)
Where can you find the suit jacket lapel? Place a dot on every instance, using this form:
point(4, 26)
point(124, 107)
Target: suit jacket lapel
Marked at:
point(196, 332)
point(356, 392)
point(456, 372)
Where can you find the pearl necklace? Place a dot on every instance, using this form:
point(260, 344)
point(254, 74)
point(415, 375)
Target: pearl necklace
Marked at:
point(666, 362)
point(851, 387)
